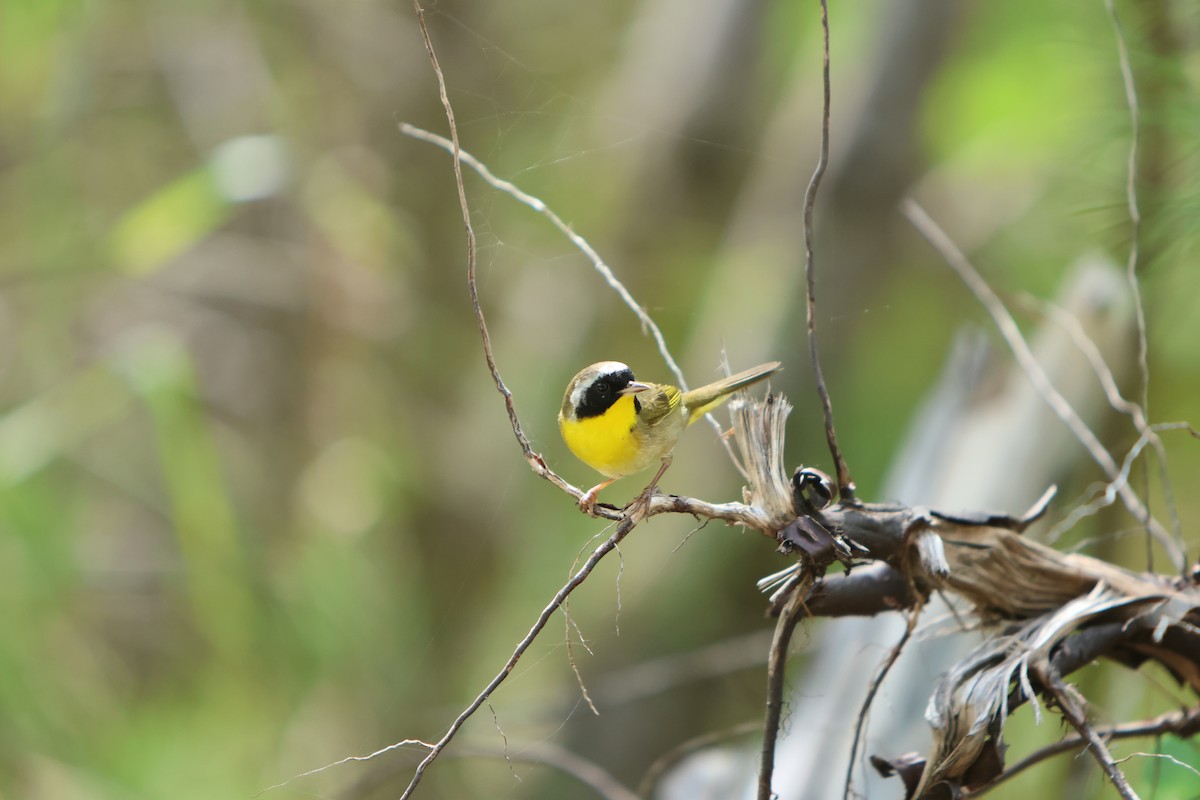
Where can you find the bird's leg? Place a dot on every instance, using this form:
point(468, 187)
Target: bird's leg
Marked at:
point(587, 503)
point(641, 503)
point(666, 462)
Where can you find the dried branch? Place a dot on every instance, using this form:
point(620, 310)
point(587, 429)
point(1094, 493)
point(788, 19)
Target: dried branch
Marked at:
point(569, 623)
point(1053, 398)
point(792, 608)
point(456, 151)
point(535, 460)
point(1163, 756)
point(581, 243)
point(1074, 709)
point(1063, 610)
point(986, 562)
point(347, 760)
point(751, 514)
point(540, 206)
point(1184, 723)
point(874, 589)
point(845, 483)
point(776, 669)
point(756, 421)
point(1131, 201)
point(600, 552)
point(884, 669)
point(1135, 226)
point(1111, 489)
point(984, 559)
point(1135, 411)
point(979, 766)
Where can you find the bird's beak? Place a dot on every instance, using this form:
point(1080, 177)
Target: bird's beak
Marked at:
point(633, 387)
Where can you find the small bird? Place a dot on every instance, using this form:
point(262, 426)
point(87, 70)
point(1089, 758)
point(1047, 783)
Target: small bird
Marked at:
point(618, 426)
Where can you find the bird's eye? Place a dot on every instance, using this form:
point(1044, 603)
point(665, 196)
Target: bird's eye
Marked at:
point(602, 387)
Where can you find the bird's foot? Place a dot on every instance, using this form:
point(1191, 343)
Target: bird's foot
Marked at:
point(587, 503)
point(639, 506)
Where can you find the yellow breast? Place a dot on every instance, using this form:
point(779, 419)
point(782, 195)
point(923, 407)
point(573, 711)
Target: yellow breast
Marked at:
point(610, 442)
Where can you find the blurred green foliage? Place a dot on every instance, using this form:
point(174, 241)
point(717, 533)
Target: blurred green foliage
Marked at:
point(260, 508)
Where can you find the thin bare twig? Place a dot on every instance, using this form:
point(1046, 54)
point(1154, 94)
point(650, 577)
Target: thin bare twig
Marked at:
point(581, 243)
point(503, 738)
point(1146, 433)
point(569, 622)
point(845, 483)
point(583, 690)
point(1135, 226)
point(1185, 723)
point(884, 669)
point(579, 577)
point(1071, 325)
point(949, 251)
point(1165, 756)
point(533, 458)
point(347, 760)
point(776, 670)
point(1074, 710)
point(733, 513)
point(1108, 382)
point(1131, 200)
point(1111, 488)
point(539, 205)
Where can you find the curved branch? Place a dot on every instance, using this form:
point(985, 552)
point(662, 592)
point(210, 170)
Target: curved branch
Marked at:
point(776, 669)
point(845, 483)
point(861, 722)
point(600, 552)
point(1184, 723)
point(1075, 710)
point(958, 261)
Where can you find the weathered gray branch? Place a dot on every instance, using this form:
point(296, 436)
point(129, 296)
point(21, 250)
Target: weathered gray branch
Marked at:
point(1051, 612)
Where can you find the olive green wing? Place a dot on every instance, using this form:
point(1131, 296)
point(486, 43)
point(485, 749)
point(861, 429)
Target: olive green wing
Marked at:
point(658, 403)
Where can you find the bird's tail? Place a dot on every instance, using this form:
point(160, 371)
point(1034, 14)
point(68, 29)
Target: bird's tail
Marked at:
point(700, 401)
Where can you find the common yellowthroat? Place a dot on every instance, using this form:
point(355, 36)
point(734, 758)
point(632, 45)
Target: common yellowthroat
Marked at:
point(618, 426)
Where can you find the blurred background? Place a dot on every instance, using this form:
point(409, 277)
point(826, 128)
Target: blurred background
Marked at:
point(260, 505)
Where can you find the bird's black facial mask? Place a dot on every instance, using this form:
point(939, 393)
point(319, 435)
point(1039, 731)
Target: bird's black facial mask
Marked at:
point(603, 392)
